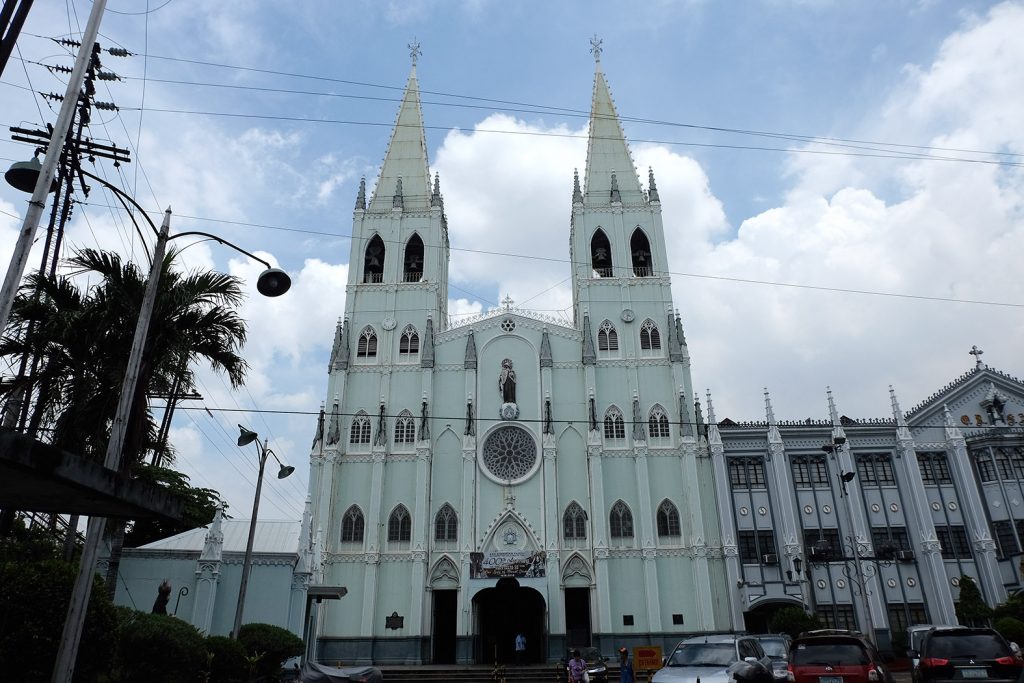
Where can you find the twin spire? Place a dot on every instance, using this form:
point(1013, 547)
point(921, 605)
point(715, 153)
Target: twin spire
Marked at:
point(609, 176)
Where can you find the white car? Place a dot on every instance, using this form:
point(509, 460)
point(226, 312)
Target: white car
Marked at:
point(716, 658)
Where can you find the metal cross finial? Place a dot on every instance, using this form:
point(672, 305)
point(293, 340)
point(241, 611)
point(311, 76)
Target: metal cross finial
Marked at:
point(507, 302)
point(414, 50)
point(595, 47)
point(976, 352)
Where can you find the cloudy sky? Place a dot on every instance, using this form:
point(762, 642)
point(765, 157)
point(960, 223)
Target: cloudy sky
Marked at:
point(871, 146)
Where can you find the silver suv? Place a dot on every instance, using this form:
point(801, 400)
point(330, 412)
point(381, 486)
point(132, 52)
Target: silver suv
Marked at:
point(716, 658)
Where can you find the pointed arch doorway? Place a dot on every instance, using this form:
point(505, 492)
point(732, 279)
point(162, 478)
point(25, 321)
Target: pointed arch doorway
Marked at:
point(501, 612)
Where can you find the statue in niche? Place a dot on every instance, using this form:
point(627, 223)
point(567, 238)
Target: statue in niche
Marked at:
point(163, 596)
point(507, 382)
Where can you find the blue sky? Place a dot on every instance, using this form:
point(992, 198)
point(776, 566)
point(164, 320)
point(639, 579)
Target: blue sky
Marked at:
point(917, 72)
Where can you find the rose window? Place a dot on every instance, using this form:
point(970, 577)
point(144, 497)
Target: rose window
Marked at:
point(509, 453)
point(508, 325)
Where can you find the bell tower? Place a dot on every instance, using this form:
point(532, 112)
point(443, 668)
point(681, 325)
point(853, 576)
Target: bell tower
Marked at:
point(619, 262)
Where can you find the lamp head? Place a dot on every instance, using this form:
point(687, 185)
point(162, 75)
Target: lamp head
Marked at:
point(839, 440)
point(273, 282)
point(285, 471)
point(23, 175)
point(797, 565)
point(848, 476)
point(245, 436)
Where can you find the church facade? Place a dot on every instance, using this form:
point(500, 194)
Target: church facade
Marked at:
point(514, 474)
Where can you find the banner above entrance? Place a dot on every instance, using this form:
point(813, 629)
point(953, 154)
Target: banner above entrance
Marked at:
point(502, 564)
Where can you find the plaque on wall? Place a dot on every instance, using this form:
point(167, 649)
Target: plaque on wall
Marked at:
point(520, 564)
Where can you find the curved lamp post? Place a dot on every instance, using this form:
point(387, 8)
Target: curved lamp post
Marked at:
point(272, 282)
point(246, 437)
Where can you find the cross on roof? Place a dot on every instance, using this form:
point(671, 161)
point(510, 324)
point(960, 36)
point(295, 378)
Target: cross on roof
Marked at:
point(414, 50)
point(507, 302)
point(595, 47)
point(976, 352)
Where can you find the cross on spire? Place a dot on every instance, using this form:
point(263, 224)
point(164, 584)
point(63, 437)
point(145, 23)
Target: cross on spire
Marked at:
point(507, 302)
point(595, 47)
point(976, 352)
point(414, 50)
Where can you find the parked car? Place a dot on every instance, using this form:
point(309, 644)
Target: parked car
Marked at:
point(915, 634)
point(720, 658)
point(836, 656)
point(776, 646)
point(597, 665)
point(967, 654)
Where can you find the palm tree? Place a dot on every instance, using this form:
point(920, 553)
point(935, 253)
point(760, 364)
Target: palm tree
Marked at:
point(83, 339)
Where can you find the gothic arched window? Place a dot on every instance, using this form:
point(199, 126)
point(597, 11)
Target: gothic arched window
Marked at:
point(601, 254)
point(640, 248)
point(352, 525)
point(657, 423)
point(668, 519)
point(373, 262)
point(607, 337)
point(446, 524)
point(359, 433)
point(650, 337)
point(574, 522)
point(614, 426)
point(413, 271)
point(409, 343)
point(367, 345)
point(405, 428)
point(621, 521)
point(399, 524)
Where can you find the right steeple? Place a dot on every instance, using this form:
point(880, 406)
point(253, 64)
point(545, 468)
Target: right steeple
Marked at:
point(610, 173)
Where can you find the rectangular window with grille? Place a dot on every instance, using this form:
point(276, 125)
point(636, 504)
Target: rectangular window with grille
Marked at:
point(746, 473)
point(1006, 541)
point(986, 470)
point(875, 469)
point(893, 538)
point(905, 614)
point(837, 616)
point(810, 472)
point(754, 545)
point(934, 468)
point(954, 542)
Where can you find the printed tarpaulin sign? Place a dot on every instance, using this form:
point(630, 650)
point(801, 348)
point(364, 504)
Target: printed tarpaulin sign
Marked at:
point(513, 563)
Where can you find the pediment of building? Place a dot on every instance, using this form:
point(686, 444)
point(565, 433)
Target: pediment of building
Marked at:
point(980, 398)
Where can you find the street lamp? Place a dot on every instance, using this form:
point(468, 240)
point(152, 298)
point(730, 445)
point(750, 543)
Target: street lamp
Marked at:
point(277, 284)
point(246, 437)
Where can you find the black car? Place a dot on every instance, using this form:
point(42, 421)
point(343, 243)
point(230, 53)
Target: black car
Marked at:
point(964, 654)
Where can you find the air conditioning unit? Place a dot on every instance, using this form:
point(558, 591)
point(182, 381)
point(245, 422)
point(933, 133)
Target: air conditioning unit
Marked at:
point(905, 555)
point(770, 558)
point(821, 550)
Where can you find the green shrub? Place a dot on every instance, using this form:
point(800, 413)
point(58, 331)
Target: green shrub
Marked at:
point(34, 597)
point(1010, 628)
point(792, 621)
point(972, 610)
point(227, 660)
point(157, 648)
point(273, 643)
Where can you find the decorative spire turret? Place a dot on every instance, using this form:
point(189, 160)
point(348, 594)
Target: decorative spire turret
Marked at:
point(952, 430)
point(398, 202)
point(577, 193)
point(837, 425)
point(774, 435)
point(711, 409)
point(714, 436)
point(902, 432)
point(652, 192)
point(435, 196)
point(769, 413)
point(361, 197)
point(213, 545)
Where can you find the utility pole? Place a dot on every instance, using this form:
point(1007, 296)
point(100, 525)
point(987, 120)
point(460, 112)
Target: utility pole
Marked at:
point(19, 259)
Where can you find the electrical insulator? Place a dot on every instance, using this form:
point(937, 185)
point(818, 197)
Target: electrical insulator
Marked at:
point(52, 96)
point(67, 41)
point(106, 106)
point(107, 76)
point(120, 52)
point(59, 69)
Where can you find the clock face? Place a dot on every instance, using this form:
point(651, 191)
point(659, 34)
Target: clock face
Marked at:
point(389, 324)
point(628, 315)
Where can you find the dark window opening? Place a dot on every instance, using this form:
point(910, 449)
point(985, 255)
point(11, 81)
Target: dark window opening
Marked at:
point(746, 473)
point(601, 254)
point(640, 248)
point(373, 262)
point(954, 542)
point(668, 519)
point(754, 545)
point(399, 525)
point(413, 271)
point(352, 526)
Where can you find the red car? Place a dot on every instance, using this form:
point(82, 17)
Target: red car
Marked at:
point(835, 657)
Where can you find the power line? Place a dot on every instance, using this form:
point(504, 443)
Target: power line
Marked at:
point(702, 276)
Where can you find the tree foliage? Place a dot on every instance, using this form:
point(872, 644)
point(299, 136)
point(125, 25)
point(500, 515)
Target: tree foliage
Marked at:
point(274, 644)
point(1010, 628)
point(200, 506)
point(34, 598)
point(157, 648)
point(793, 621)
point(972, 610)
point(227, 660)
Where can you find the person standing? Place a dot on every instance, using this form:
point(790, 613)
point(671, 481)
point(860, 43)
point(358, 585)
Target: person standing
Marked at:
point(625, 666)
point(520, 648)
point(577, 668)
